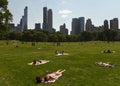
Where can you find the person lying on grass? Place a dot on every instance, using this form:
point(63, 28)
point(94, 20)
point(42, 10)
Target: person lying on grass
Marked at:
point(39, 62)
point(51, 77)
point(107, 51)
point(58, 53)
point(103, 64)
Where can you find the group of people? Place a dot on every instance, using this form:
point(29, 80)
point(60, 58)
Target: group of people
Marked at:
point(103, 64)
point(59, 52)
point(107, 51)
point(35, 62)
point(50, 77)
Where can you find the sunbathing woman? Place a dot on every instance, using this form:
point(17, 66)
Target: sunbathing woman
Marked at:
point(103, 64)
point(38, 62)
point(52, 77)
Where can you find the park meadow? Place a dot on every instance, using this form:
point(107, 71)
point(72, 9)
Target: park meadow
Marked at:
point(80, 66)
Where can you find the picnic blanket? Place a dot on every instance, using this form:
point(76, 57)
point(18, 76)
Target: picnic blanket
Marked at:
point(59, 54)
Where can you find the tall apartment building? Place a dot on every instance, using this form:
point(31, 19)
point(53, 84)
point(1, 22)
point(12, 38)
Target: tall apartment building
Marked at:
point(88, 25)
point(37, 26)
point(24, 20)
point(81, 21)
point(63, 29)
point(106, 25)
point(50, 20)
point(114, 24)
point(23, 23)
point(78, 25)
point(47, 19)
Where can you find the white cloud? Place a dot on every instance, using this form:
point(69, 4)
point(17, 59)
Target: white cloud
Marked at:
point(64, 16)
point(65, 12)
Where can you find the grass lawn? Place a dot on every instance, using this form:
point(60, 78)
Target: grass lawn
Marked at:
point(79, 64)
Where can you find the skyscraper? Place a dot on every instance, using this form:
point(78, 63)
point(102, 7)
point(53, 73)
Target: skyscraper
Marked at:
point(50, 20)
point(63, 29)
point(114, 24)
point(24, 20)
point(106, 26)
point(37, 26)
point(81, 24)
point(47, 19)
point(26, 17)
point(88, 25)
point(74, 26)
point(77, 25)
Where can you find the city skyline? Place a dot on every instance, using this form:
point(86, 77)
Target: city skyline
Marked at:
point(65, 10)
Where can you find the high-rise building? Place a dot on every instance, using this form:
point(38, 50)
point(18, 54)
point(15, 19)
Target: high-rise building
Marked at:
point(88, 25)
point(63, 29)
point(45, 15)
point(50, 20)
point(24, 20)
point(23, 23)
point(114, 24)
point(74, 26)
point(47, 19)
point(77, 25)
point(106, 26)
point(81, 23)
point(37, 26)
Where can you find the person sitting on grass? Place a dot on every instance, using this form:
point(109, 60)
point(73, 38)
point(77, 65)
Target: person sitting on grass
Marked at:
point(57, 53)
point(62, 52)
point(50, 78)
point(107, 51)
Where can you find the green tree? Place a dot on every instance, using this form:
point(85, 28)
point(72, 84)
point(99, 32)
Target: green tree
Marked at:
point(40, 36)
point(110, 35)
point(34, 36)
point(15, 36)
point(5, 15)
point(85, 36)
point(53, 38)
point(61, 37)
point(72, 38)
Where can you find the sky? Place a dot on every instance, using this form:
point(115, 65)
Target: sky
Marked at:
point(65, 10)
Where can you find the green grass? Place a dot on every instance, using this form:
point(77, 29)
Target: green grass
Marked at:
point(79, 64)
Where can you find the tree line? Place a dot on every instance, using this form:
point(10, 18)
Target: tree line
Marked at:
point(44, 36)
